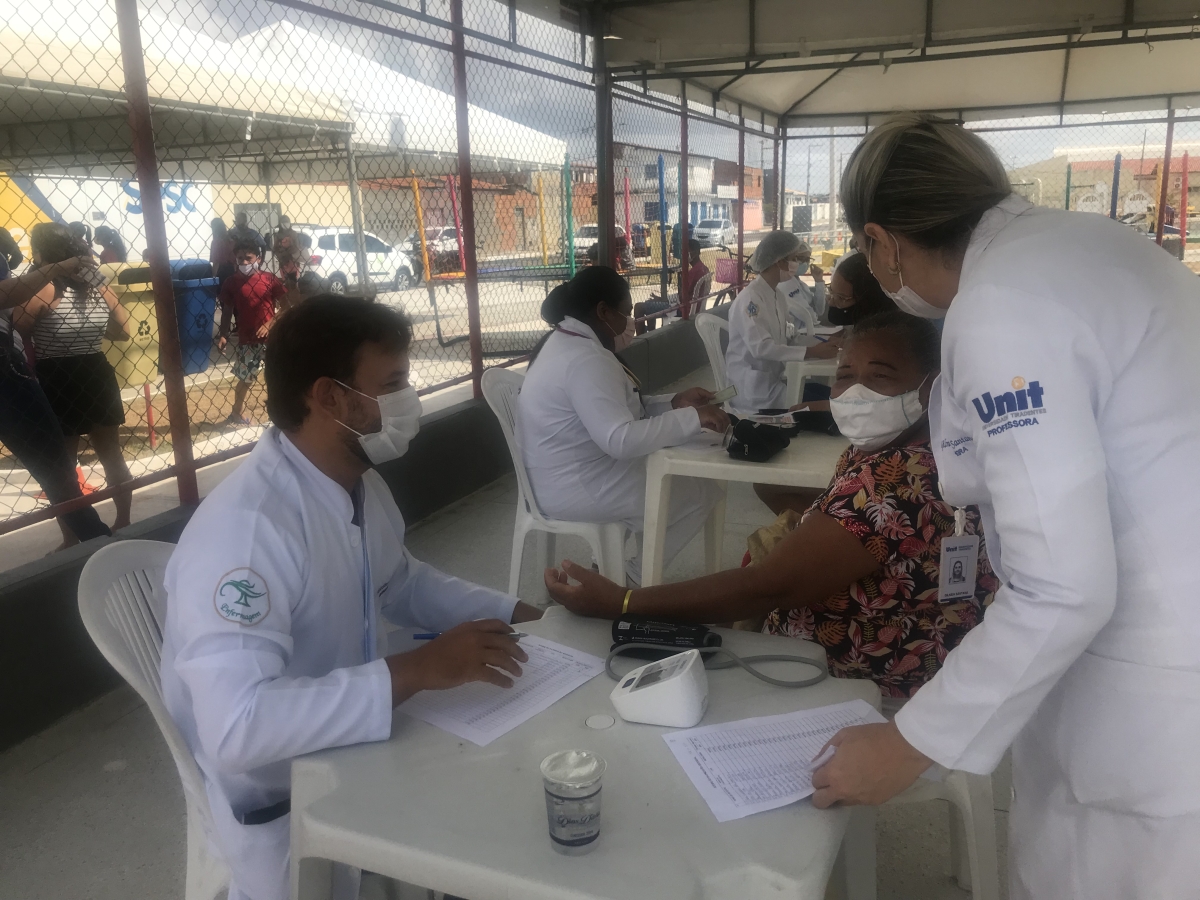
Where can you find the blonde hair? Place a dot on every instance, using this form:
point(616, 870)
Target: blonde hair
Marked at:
point(924, 177)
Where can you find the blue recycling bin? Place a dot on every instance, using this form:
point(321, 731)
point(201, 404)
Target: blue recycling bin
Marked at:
point(195, 304)
point(190, 269)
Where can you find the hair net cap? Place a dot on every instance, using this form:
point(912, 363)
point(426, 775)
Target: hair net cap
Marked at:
point(771, 249)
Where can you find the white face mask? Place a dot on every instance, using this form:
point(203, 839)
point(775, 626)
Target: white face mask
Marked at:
point(906, 298)
point(793, 267)
point(247, 269)
point(400, 412)
point(870, 420)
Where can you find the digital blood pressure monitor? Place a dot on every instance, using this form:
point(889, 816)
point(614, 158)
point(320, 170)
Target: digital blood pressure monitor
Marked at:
point(671, 692)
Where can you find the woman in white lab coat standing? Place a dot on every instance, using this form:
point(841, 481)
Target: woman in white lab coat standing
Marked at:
point(759, 328)
point(1069, 410)
point(585, 429)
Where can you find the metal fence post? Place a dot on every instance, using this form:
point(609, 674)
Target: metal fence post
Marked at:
point(360, 246)
point(741, 195)
point(685, 306)
point(137, 97)
point(466, 236)
point(782, 182)
point(775, 178)
point(1166, 177)
point(605, 189)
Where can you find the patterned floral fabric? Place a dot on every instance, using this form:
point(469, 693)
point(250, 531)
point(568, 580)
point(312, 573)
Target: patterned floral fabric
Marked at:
point(890, 626)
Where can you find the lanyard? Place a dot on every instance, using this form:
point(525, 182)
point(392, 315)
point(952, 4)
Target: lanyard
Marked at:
point(368, 604)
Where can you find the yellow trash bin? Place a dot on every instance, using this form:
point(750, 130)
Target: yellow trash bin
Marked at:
point(829, 258)
point(135, 360)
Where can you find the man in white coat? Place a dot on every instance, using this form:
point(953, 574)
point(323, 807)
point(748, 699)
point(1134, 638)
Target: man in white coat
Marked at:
point(1069, 411)
point(760, 328)
point(273, 645)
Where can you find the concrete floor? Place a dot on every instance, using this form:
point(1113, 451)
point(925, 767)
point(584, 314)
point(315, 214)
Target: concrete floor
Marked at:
point(91, 809)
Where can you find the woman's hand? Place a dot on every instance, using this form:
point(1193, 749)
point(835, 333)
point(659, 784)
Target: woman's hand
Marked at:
point(69, 268)
point(713, 418)
point(818, 274)
point(873, 763)
point(696, 396)
point(594, 596)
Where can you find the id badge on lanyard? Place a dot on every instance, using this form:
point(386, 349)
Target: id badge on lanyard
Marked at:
point(960, 557)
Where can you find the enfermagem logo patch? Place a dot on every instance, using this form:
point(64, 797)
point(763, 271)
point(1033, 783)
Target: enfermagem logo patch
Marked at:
point(241, 596)
point(1017, 408)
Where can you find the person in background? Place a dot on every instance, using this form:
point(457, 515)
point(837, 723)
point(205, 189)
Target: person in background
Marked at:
point(695, 274)
point(274, 643)
point(251, 296)
point(803, 300)
point(289, 255)
point(854, 294)
point(82, 232)
point(10, 253)
point(758, 351)
point(220, 251)
point(28, 426)
point(309, 285)
point(696, 271)
point(584, 428)
point(859, 572)
point(66, 321)
point(112, 248)
point(242, 233)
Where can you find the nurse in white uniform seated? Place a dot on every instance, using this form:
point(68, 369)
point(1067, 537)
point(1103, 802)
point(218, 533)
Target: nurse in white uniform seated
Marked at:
point(273, 645)
point(802, 299)
point(759, 326)
point(1068, 410)
point(585, 429)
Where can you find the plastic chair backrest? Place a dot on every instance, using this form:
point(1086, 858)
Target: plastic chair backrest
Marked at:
point(809, 317)
point(710, 329)
point(703, 287)
point(501, 390)
point(124, 608)
point(727, 271)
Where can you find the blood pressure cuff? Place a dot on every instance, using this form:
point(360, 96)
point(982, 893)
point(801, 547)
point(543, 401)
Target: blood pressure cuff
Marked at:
point(754, 442)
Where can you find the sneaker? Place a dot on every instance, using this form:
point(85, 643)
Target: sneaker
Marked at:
point(240, 421)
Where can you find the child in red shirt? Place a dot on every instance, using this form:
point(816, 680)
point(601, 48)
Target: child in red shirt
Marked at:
point(251, 295)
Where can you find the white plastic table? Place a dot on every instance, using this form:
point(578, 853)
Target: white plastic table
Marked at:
point(432, 810)
point(799, 370)
point(807, 462)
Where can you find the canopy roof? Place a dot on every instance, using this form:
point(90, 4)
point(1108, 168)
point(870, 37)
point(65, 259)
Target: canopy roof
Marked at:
point(276, 105)
point(853, 61)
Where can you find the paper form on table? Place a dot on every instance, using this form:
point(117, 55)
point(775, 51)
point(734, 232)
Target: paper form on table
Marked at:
point(480, 712)
point(753, 765)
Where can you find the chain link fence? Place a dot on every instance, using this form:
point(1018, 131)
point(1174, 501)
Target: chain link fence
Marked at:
point(221, 163)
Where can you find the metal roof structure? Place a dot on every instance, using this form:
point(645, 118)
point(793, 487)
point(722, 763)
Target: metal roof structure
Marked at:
point(849, 63)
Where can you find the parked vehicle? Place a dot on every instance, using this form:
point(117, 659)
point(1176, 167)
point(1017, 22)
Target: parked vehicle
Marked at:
point(335, 259)
point(586, 237)
point(711, 232)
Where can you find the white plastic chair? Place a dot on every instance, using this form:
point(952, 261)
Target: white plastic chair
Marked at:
point(123, 605)
point(973, 857)
point(710, 328)
point(607, 540)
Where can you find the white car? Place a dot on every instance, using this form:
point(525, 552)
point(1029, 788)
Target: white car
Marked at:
point(334, 257)
point(586, 237)
point(715, 231)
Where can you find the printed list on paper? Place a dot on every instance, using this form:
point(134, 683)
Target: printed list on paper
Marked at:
point(480, 712)
point(753, 765)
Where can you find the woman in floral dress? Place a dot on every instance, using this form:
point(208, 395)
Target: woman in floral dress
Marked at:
point(859, 572)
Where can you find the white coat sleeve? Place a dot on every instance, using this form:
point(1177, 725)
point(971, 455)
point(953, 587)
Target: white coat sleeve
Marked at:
point(1045, 472)
point(597, 393)
point(422, 596)
point(657, 404)
point(818, 304)
point(248, 713)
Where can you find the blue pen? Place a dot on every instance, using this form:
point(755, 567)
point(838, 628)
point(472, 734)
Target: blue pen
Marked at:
point(430, 635)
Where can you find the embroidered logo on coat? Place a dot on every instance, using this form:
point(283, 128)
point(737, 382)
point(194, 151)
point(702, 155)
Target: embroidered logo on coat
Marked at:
point(752, 308)
point(242, 597)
